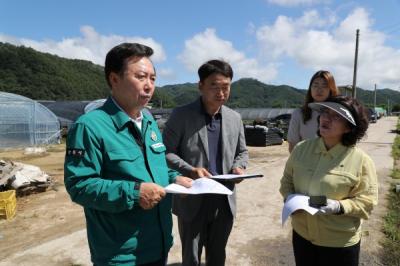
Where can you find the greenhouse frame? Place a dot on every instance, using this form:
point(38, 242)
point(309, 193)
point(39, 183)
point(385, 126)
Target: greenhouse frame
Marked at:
point(262, 113)
point(25, 122)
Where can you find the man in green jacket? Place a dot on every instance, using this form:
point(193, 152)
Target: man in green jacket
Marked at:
point(115, 167)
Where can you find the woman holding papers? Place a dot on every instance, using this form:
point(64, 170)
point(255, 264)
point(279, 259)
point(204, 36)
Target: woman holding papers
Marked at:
point(303, 123)
point(332, 166)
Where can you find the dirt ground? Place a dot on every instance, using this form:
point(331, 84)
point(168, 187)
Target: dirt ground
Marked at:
point(50, 230)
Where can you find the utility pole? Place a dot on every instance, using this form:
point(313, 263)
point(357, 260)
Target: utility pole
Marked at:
point(375, 97)
point(355, 66)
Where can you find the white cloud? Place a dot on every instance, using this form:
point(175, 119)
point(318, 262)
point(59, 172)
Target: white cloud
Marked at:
point(90, 46)
point(166, 73)
point(293, 3)
point(207, 45)
point(317, 43)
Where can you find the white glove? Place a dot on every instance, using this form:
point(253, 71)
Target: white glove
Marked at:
point(332, 207)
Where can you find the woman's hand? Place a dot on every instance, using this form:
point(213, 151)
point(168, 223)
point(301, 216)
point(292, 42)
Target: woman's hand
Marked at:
point(332, 207)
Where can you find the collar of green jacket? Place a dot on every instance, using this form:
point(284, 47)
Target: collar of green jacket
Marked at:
point(120, 118)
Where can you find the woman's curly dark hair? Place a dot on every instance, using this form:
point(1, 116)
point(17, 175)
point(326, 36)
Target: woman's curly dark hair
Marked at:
point(360, 115)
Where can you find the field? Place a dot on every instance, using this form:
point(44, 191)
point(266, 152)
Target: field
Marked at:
point(49, 228)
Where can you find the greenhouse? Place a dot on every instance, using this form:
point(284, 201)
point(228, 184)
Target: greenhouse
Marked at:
point(66, 111)
point(262, 113)
point(99, 102)
point(94, 105)
point(25, 122)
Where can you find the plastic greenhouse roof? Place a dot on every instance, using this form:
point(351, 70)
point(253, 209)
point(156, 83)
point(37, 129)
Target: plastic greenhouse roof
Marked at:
point(13, 105)
point(262, 113)
point(26, 122)
point(6, 96)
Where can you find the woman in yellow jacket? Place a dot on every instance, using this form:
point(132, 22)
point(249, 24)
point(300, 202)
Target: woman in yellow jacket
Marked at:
point(332, 166)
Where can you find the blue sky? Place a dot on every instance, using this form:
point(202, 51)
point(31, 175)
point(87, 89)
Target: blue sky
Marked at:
point(274, 41)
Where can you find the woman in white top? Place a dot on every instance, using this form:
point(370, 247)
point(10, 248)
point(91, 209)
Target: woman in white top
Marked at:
point(303, 123)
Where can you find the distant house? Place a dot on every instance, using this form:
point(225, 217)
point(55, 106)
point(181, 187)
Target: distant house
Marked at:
point(380, 112)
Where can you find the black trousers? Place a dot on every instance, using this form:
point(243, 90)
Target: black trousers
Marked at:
point(161, 262)
point(308, 254)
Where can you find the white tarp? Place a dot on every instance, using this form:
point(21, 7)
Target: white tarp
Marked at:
point(21, 175)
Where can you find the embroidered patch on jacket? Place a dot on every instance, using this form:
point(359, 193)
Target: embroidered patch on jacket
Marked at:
point(157, 145)
point(76, 152)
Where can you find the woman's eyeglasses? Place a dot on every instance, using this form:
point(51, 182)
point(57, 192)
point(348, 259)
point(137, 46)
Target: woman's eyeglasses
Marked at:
point(330, 114)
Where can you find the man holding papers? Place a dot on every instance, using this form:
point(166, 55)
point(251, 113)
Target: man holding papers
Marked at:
point(206, 138)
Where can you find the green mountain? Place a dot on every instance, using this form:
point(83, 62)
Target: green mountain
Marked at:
point(245, 92)
point(383, 97)
point(249, 92)
point(43, 76)
point(36, 75)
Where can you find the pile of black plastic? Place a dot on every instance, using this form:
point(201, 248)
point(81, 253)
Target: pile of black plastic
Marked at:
point(262, 136)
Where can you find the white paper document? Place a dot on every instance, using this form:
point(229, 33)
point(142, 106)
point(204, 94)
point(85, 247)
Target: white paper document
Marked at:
point(202, 185)
point(296, 202)
point(234, 177)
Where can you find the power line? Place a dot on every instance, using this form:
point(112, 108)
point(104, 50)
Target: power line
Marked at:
point(390, 28)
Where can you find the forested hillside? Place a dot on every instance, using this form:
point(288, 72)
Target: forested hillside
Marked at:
point(245, 92)
point(43, 76)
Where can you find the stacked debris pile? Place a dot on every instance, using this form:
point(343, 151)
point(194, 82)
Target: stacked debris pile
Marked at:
point(24, 178)
point(262, 136)
point(282, 122)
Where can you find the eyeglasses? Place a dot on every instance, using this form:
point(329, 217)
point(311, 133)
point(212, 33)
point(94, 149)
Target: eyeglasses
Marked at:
point(332, 115)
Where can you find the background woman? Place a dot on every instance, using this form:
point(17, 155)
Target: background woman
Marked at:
point(332, 166)
point(303, 123)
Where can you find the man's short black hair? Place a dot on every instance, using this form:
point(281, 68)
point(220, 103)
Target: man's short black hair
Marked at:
point(215, 67)
point(116, 57)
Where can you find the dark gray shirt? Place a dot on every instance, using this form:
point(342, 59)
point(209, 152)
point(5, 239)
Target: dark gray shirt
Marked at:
point(213, 124)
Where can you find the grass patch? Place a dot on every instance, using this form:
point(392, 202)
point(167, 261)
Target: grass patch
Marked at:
point(395, 174)
point(396, 148)
point(391, 244)
point(391, 226)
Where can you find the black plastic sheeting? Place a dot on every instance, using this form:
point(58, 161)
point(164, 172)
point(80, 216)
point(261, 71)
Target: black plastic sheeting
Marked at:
point(262, 136)
point(67, 109)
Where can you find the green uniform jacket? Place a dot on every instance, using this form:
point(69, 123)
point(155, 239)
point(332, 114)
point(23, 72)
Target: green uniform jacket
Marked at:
point(103, 169)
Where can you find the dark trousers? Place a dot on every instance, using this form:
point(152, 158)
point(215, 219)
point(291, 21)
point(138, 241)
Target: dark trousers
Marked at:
point(161, 262)
point(308, 254)
point(210, 228)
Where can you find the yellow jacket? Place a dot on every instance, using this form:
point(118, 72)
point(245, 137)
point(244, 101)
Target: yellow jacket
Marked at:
point(343, 173)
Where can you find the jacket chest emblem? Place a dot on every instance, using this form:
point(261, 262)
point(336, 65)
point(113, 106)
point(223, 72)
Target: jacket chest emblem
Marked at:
point(153, 136)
